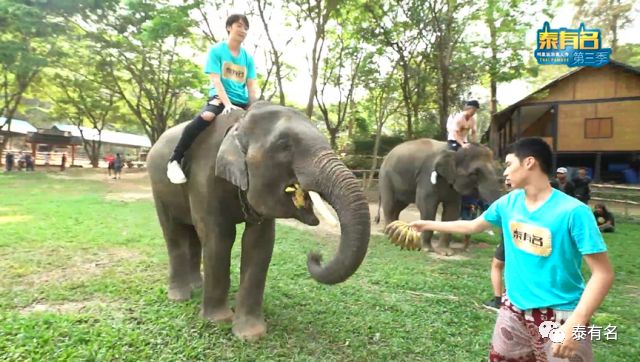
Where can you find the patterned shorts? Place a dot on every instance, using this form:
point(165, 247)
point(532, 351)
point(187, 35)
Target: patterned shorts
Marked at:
point(516, 337)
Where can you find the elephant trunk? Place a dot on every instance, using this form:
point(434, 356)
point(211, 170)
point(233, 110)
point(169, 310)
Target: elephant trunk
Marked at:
point(338, 186)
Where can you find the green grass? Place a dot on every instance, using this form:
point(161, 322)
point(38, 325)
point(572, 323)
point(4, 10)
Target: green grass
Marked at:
point(97, 271)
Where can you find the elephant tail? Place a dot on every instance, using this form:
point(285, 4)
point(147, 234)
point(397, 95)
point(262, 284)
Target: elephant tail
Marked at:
point(377, 219)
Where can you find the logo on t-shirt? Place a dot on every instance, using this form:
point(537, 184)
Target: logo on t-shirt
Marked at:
point(234, 72)
point(533, 239)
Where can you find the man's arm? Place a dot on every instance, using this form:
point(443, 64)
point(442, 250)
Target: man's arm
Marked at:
point(473, 132)
point(252, 87)
point(221, 92)
point(594, 293)
point(460, 226)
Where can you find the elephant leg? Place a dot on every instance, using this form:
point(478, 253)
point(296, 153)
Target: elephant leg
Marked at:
point(450, 212)
point(218, 241)
point(428, 208)
point(392, 211)
point(257, 247)
point(195, 259)
point(178, 238)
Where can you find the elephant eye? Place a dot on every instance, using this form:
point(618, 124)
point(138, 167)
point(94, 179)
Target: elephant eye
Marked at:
point(283, 144)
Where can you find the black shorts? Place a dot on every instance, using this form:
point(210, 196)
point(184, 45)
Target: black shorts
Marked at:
point(453, 145)
point(215, 106)
point(499, 254)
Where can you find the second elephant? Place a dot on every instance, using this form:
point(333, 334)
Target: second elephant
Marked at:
point(426, 173)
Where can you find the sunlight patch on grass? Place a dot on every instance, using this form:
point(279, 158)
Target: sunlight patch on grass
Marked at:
point(14, 218)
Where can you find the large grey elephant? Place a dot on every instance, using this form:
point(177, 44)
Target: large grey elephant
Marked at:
point(426, 173)
point(261, 170)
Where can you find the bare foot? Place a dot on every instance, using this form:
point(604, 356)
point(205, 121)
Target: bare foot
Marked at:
point(249, 329)
point(221, 315)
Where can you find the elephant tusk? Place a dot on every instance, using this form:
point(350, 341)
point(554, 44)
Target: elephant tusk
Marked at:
point(322, 208)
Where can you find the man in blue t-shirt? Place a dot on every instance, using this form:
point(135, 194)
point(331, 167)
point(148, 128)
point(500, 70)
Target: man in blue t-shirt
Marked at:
point(232, 75)
point(546, 235)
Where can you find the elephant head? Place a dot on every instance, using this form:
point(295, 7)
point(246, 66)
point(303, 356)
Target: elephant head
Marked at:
point(475, 171)
point(273, 150)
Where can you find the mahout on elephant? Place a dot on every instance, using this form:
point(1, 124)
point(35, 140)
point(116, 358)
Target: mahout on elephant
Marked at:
point(427, 173)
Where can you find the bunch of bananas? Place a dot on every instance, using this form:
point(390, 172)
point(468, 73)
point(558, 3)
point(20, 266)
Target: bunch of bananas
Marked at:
point(402, 235)
point(298, 195)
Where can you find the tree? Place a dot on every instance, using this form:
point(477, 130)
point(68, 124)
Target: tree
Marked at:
point(275, 55)
point(340, 77)
point(610, 15)
point(138, 49)
point(381, 104)
point(318, 12)
point(79, 97)
point(400, 28)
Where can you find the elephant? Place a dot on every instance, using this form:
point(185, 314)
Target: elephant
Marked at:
point(251, 167)
point(426, 173)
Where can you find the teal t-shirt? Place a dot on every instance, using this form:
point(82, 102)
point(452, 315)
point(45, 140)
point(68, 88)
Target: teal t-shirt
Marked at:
point(234, 72)
point(544, 248)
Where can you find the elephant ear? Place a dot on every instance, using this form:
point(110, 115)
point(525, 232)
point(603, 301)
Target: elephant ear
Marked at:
point(445, 166)
point(231, 161)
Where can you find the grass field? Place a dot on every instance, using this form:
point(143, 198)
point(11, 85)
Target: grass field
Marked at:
point(83, 277)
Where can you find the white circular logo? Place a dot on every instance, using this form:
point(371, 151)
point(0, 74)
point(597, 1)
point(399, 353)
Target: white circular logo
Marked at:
point(556, 335)
point(546, 327)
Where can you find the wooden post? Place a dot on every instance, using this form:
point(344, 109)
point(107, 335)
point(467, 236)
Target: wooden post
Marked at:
point(33, 151)
point(596, 167)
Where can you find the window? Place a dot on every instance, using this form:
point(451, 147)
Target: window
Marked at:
point(598, 127)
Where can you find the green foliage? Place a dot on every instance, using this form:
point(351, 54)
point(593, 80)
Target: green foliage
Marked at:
point(364, 146)
point(97, 270)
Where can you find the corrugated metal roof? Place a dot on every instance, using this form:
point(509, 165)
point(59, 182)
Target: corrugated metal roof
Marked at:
point(119, 138)
point(18, 126)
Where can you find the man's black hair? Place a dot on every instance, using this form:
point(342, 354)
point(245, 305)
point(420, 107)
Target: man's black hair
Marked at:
point(234, 18)
point(472, 103)
point(534, 147)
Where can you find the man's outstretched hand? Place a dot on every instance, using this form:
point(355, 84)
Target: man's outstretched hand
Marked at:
point(420, 225)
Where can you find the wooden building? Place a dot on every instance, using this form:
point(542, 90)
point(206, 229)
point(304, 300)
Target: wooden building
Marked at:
point(589, 116)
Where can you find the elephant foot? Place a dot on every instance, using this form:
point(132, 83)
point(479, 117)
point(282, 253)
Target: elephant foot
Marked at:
point(179, 294)
point(249, 329)
point(444, 251)
point(219, 316)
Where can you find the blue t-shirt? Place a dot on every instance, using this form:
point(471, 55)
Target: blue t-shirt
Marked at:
point(544, 248)
point(233, 71)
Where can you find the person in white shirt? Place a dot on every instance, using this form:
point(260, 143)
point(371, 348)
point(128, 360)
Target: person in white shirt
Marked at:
point(463, 126)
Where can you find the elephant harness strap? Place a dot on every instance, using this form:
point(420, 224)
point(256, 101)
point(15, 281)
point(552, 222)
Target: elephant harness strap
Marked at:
point(250, 214)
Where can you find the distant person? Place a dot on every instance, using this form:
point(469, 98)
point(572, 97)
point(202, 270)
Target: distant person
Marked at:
point(562, 183)
point(581, 183)
point(21, 161)
point(118, 163)
point(606, 221)
point(47, 158)
point(29, 162)
point(8, 161)
point(463, 126)
point(109, 160)
point(63, 162)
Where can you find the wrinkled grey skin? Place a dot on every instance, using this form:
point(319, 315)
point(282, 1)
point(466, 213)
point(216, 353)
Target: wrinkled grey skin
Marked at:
point(405, 178)
point(271, 148)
